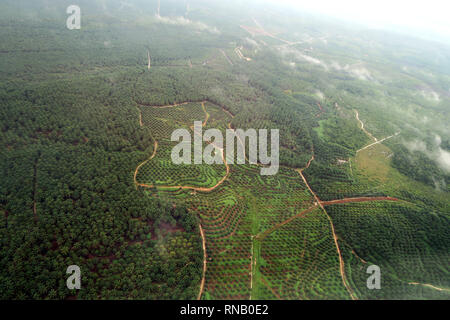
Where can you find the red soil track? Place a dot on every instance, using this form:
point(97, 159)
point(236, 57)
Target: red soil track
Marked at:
point(170, 105)
point(340, 201)
point(429, 286)
point(202, 283)
point(227, 112)
point(363, 129)
point(224, 109)
point(259, 30)
point(271, 290)
point(206, 113)
point(36, 218)
point(262, 235)
point(149, 61)
point(279, 225)
point(341, 260)
point(226, 57)
point(200, 189)
point(361, 199)
point(140, 118)
point(376, 141)
point(321, 110)
point(155, 147)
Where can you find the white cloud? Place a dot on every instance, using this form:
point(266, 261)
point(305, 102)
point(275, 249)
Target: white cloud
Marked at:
point(439, 155)
point(320, 95)
point(416, 145)
point(430, 95)
point(437, 140)
point(293, 53)
point(252, 42)
point(431, 15)
point(443, 159)
point(312, 60)
point(291, 64)
point(182, 21)
point(355, 70)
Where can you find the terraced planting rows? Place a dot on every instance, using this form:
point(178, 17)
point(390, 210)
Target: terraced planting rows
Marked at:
point(247, 205)
point(415, 242)
point(227, 229)
point(341, 183)
point(275, 198)
point(266, 236)
point(164, 120)
point(243, 206)
point(299, 261)
point(161, 171)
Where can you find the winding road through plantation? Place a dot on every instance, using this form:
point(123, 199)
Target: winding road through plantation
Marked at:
point(362, 127)
point(259, 237)
point(200, 189)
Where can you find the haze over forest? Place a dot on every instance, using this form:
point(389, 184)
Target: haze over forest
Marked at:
point(361, 102)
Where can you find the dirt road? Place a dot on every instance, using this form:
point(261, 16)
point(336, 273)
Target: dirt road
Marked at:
point(279, 225)
point(202, 283)
point(206, 114)
point(149, 60)
point(200, 189)
point(318, 202)
point(379, 141)
point(34, 189)
point(321, 110)
point(429, 286)
point(140, 117)
point(225, 55)
point(155, 147)
point(251, 268)
point(363, 129)
point(359, 199)
point(266, 33)
point(240, 55)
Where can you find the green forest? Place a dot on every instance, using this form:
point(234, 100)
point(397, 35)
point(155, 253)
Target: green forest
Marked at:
point(86, 177)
